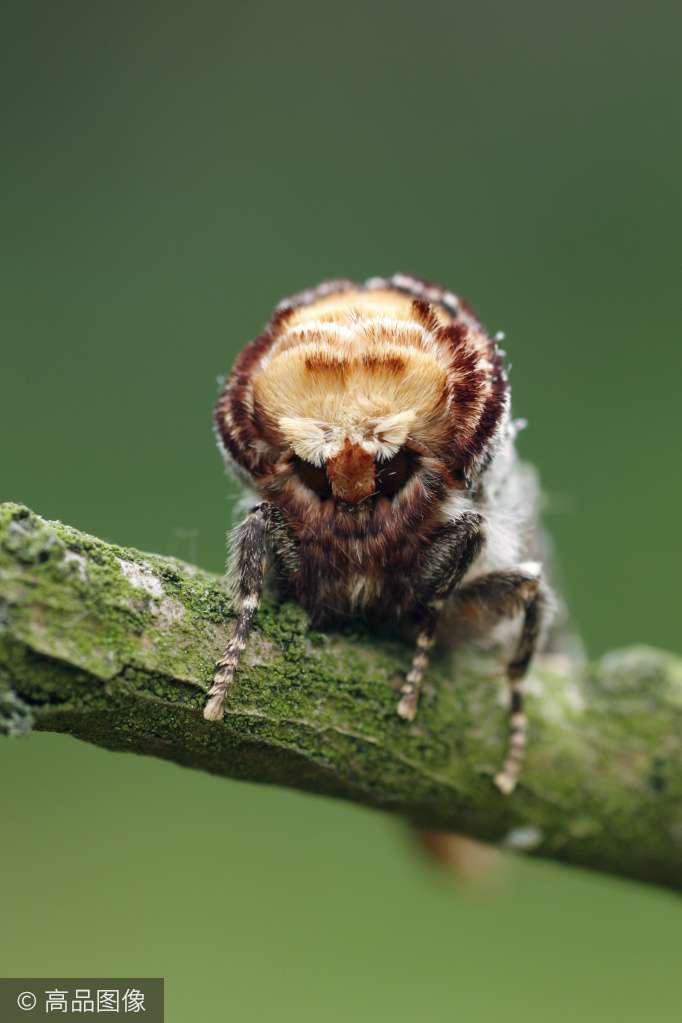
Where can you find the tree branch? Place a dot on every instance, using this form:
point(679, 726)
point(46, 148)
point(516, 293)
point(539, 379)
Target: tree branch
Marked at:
point(117, 647)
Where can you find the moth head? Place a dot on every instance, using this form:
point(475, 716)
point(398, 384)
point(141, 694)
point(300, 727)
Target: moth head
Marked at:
point(359, 456)
point(350, 393)
point(348, 402)
point(353, 476)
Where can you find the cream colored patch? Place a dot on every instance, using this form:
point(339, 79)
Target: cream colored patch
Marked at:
point(141, 576)
point(372, 393)
point(362, 590)
point(317, 441)
point(360, 366)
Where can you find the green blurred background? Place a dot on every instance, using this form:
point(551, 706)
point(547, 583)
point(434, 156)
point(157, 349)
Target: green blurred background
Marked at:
point(170, 172)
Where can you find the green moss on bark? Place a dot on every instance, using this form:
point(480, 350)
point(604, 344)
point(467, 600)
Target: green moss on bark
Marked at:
point(117, 647)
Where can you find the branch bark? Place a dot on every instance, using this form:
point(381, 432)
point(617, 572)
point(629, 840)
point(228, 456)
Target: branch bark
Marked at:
point(117, 647)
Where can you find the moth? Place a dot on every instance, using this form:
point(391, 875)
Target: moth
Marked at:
point(372, 423)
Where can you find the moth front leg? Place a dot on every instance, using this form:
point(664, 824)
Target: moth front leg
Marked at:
point(250, 547)
point(449, 559)
point(501, 595)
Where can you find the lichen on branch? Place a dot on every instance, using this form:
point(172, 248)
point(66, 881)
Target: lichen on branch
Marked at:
point(117, 648)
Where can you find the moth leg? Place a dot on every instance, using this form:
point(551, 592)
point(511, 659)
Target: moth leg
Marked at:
point(262, 536)
point(449, 559)
point(500, 595)
point(411, 687)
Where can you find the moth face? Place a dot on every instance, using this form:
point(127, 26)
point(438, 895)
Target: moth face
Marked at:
point(345, 391)
point(355, 476)
point(353, 390)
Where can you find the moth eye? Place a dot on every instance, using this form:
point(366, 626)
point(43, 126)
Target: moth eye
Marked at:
point(394, 474)
point(314, 477)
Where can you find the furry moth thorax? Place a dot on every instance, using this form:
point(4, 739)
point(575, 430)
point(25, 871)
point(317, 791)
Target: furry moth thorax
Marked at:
point(365, 401)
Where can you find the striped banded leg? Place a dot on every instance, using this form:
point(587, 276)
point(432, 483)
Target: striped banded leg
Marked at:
point(499, 595)
point(227, 665)
point(248, 558)
point(508, 776)
point(450, 557)
point(407, 708)
point(531, 595)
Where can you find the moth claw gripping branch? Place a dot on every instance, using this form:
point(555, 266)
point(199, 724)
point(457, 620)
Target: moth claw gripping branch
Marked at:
point(373, 424)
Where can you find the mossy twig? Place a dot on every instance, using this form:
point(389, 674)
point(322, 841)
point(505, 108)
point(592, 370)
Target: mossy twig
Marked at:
point(117, 647)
